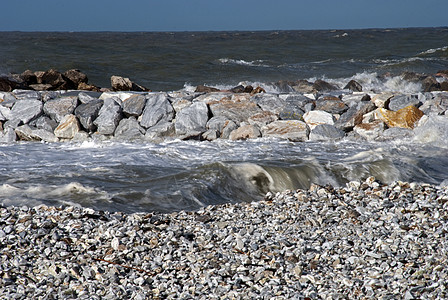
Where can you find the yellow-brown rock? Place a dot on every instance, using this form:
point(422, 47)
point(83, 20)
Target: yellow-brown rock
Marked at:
point(405, 118)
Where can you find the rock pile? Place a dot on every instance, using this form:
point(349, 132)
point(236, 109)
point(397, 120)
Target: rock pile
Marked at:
point(208, 114)
point(361, 241)
point(53, 80)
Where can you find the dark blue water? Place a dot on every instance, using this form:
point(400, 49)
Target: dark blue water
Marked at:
point(169, 60)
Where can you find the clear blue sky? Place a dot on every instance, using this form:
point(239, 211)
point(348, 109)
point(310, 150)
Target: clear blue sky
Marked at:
point(199, 15)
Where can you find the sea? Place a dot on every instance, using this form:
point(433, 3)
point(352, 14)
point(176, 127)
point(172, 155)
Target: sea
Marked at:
point(186, 175)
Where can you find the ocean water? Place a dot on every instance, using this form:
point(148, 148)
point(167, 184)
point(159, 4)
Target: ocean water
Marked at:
point(177, 175)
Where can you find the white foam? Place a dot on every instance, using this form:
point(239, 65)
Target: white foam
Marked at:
point(431, 51)
point(242, 62)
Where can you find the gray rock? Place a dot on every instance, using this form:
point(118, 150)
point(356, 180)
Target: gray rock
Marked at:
point(210, 135)
point(129, 129)
point(229, 126)
point(13, 123)
point(58, 108)
point(331, 104)
point(109, 117)
point(192, 119)
point(401, 101)
point(44, 122)
point(293, 130)
point(5, 113)
point(27, 133)
point(353, 116)
point(119, 83)
point(160, 131)
point(353, 86)
point(26, 95)
point(269, 102)
point(432, 130)
point(8, 135)
point(370, 131)
point(395, 133)
point(245, 132)
point(217, 123)
point(326, 132)
point(26, 110)
point(87, 113)
point(157, 109)
point(86, 97)
point(68, 127)
point(133, 106)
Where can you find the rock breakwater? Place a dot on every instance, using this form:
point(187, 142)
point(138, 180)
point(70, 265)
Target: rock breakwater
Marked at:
point(326, 114)
point(365, 240)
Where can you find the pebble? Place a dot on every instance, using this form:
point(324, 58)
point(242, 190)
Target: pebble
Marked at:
point(365, 240)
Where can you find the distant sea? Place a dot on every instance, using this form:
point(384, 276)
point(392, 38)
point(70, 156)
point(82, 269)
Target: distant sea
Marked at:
point(176, 175)
point(167, 61)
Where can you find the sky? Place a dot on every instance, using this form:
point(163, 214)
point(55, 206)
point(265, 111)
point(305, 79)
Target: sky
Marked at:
point(216, 15)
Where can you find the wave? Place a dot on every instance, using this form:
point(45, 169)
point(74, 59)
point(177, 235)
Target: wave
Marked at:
point(432, 51)
point(242, 62)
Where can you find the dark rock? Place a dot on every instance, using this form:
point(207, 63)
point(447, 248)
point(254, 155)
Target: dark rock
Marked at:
point(44, 122)
point(58, 108)
point(354, 86)
point(87, 113)
point(331, 104)
point(430, 84)
point(444, 86)
point(26, 110)
point(322, 86)
point(55, 79)
point(88, 87)
point(29, 77)
point(250, 89)
point(192, 119)
point(412, 76)
point(238, 89)
point(283, 86)
point(353, 116)
point(326, 132)
point(401, 101)
point(205, 89)
point(109, 117)
point(133, 106)
point(7, 85)
point(75, 77)
point(129, 129)
point(157, 109)
point(257, 90)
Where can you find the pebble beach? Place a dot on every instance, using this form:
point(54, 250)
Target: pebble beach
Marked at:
point(362, 241)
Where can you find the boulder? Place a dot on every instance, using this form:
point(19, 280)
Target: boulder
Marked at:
point(179, 104)
point(269, 102)
point(395, 133)
point(44, 122)
point(55, 79)
point(331, 104)
point(370, 131)
point(160, 131)
point(26, 95)
point(262, 118)
point(86, 97)
point(7, 85)
point(217, 123)
point(193, 119)
point(87, 113)
point(430, 84)
point(133, 106)
point(108, 117)
point(317, 117)
point(323, 86)
point(326, 132)
point(75, 77)
point(26, 110)
point(304, 87)
point(296, 131)
point(433, 130)
point(88, 87)
point(238, 108)
point(444, 86)
point(245, 132)
point(210, 135)
point(401, 101)
point(353, 86)
point(67, 128)
point(5, 113)
point(119, 83)
point(8, 135)
point(354, 115)
point(29, 77)
point(229, 126)
point(129, 129)
point(406, 117)
point(58, 108)
point(256, 90)
point(205, 89)
point(238, 89)
point(27, 133)
point(382, 100)
point(41, 87)
point(157, 109)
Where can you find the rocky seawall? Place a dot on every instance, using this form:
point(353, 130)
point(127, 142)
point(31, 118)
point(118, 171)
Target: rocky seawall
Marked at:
point(316, 111)
point(364, 240)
